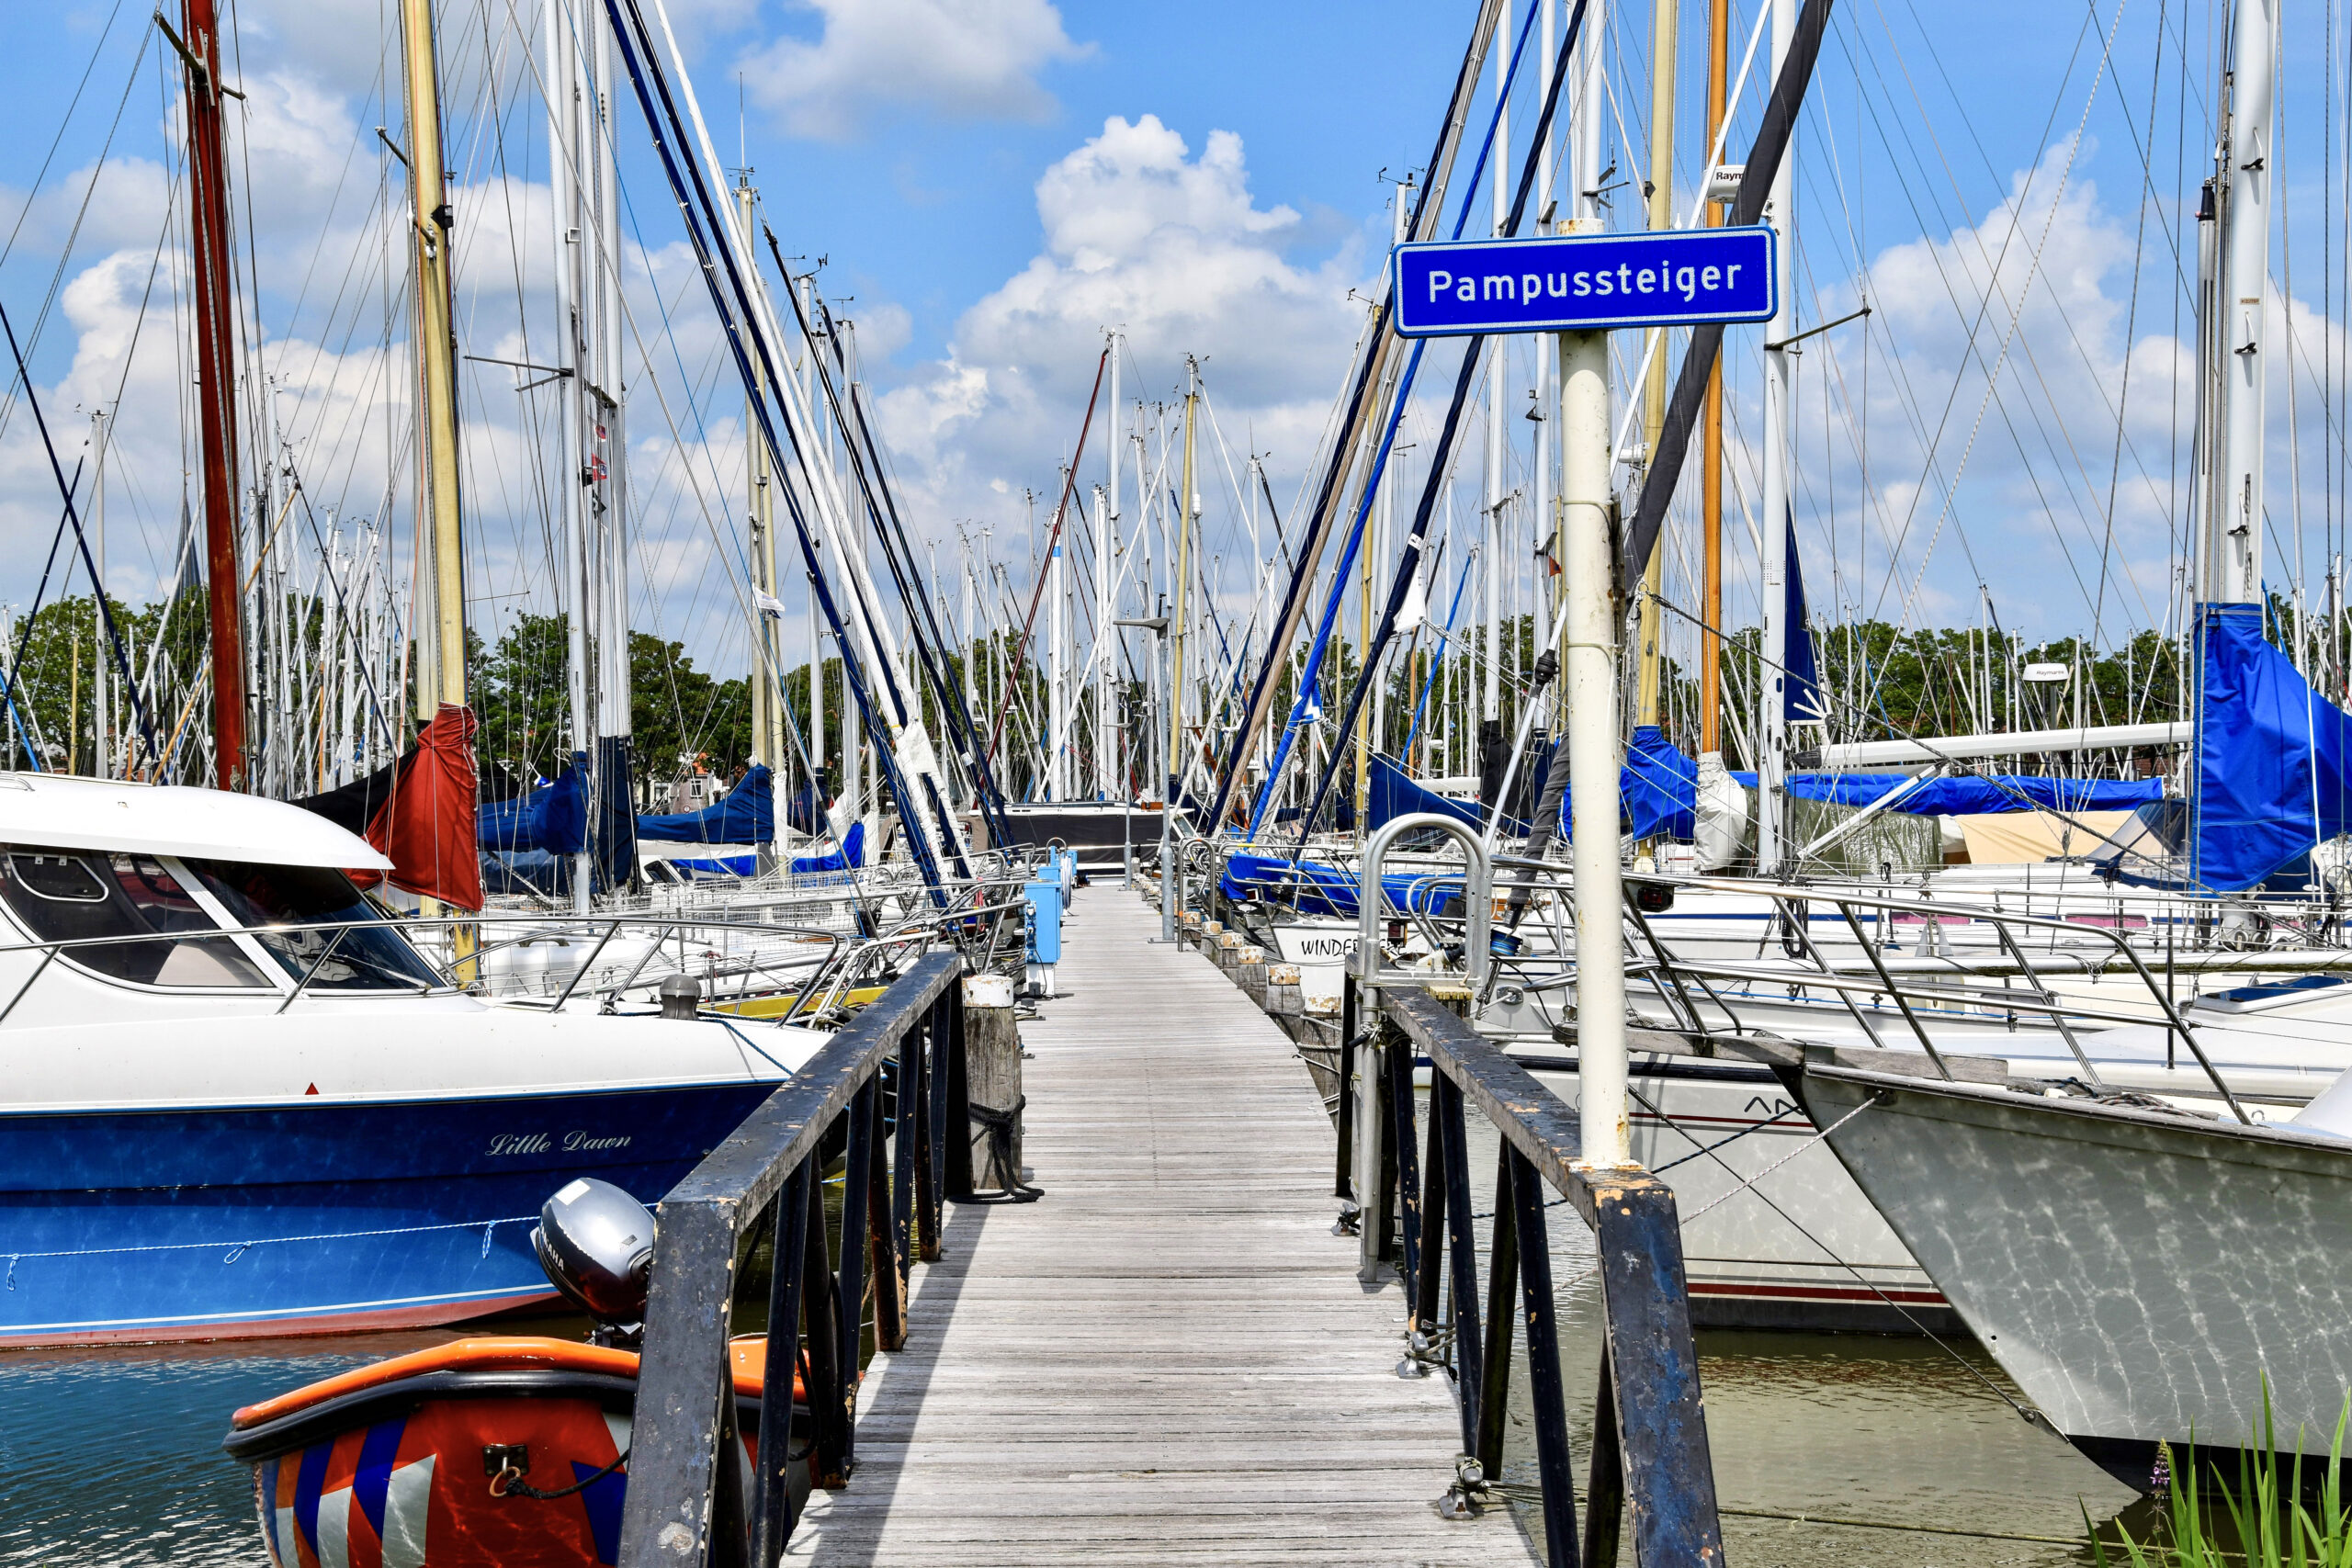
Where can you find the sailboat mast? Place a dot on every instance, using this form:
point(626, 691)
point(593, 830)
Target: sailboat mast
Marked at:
point(1666, 32)
point(440, 612)
point(766, 749)
point(1056, 654)
point(1106, 642)
point(216, 378)
point(1183, 598)
point(607, 477)
point(573, 279)
point(1710, 445)
point(1780, 457)
point(1498, 389)
point(2235, 325)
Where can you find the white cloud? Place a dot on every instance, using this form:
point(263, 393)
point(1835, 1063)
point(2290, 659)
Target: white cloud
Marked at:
point(955, 59)
point(1175, 252)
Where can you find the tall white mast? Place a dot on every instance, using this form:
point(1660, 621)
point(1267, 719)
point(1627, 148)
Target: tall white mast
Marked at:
point(767, 700)
point(1780, 457)
point(101, 742)
point(1106, 742)
point(1588, 678)
point(2235, 333)
point(1498, 393)
point(808, 367)
point(608, 488)
point(1056, 686)
point(568, 172)
point(1106, 638)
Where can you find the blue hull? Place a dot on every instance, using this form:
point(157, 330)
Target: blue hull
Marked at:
point(222, 1222)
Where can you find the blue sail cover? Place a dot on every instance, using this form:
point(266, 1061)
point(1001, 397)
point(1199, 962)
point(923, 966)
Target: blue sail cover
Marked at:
point(1658, 787)
point(1658, 792)
point(2271, 756)
point(1317, 890)
point(745, 815)
point(552, 818)
point(849, 857)
point(1976, 796)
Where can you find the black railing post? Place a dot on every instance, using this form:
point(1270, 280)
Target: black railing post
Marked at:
point(928, 1167)
point(906, 1151)
point(772, 1499)
point(858, 1183)
point(1384, 1186)
point(818, 1306)
point(1428, 1278)
point(1604, 1492)
point(729, 1529)
point(1469, 1364)
point(885, 1243)
point(1502, 1279)
point(1654, 1369)
point(1343, 1181)
point(1399, 1060)
point(1553, 1464)
point(956, 1104)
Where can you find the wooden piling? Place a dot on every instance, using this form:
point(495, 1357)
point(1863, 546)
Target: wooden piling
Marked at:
point(1249, 974)
point(1284, 997)
point(993, 1079)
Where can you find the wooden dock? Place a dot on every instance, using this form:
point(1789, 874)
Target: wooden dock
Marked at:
point(1167, 1358)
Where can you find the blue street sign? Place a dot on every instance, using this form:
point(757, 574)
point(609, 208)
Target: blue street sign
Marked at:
point(1579, 282)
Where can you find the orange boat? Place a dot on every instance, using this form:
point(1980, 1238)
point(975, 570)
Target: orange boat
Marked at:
point(496, 1452)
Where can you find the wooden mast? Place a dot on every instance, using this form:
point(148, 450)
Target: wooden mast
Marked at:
point(216, 378)
point(1711, 451)
point(439, 612)
point(1665, 31)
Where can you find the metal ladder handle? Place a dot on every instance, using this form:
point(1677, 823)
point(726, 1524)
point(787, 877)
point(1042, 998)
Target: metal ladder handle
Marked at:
point(1371, 892)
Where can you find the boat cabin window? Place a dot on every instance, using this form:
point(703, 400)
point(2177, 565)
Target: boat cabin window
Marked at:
point(75, 896)
point(363, 952)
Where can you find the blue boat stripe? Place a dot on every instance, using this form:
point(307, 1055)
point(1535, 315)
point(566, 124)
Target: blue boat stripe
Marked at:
point(376, 1451)
point(307, 1483)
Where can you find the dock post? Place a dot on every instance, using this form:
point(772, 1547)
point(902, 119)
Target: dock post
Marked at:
point(1343, 1179)
point(992, 1077)
point(1370, 1162)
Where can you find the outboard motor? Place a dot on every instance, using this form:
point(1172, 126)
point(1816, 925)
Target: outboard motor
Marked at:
point(596, 1244)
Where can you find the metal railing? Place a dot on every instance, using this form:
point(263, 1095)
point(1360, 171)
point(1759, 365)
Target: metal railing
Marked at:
point(1649, 1430)
point(686, 1502)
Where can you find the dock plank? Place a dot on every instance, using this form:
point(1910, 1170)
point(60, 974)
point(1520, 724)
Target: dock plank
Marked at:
point(1169, 1358)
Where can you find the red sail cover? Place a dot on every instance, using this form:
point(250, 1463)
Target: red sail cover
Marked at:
point(426, 828)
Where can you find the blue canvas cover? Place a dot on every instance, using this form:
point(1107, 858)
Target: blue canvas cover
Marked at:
point(1972, 797)
point(1392, 795)
point(851, 855)
point(1658, 790)
point(1658, 787)
point(552, 818)
point(745, 815)
point(2271, 756)
point(1316, 889)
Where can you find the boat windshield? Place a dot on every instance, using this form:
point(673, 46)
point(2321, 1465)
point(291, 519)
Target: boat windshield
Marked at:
point(368, 952)
point(81, 897)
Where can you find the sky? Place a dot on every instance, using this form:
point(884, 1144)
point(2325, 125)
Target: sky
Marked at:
point(991, 183)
